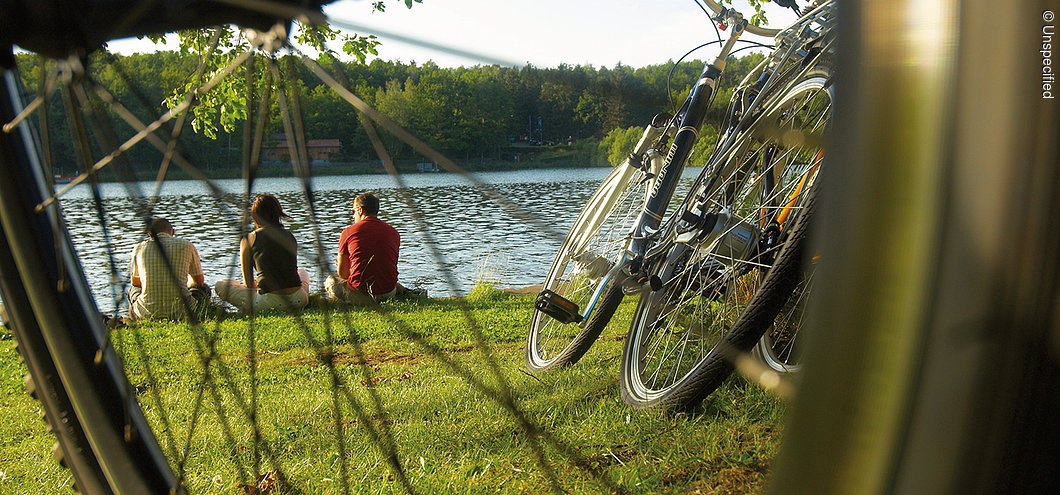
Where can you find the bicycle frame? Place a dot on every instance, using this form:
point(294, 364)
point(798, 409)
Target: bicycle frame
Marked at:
point(644, 241)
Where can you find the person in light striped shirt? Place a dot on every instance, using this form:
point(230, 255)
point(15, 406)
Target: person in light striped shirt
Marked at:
point(167, 278)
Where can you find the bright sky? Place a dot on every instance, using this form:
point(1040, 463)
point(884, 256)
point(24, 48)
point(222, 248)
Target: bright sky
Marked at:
point(544, 33)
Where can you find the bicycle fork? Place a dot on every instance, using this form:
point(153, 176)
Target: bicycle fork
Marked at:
point(641, 158)
point(665, 184)
point(661, 187)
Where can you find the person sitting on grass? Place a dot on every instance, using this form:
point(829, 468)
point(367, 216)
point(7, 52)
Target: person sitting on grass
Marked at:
point(367, 258)
point(166, 275)
point(271, 252)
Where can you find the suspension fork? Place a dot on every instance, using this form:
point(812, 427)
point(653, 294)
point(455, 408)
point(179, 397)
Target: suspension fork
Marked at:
point(665, 184)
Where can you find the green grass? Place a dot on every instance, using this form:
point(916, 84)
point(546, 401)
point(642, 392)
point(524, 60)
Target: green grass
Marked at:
point(419, 375)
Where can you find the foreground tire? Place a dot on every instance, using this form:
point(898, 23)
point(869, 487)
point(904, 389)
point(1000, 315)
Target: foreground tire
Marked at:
point(103, 436)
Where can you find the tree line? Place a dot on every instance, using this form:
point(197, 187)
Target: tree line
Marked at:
point(479, 113)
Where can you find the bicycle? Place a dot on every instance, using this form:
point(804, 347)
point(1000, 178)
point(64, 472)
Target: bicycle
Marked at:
point(712, 276)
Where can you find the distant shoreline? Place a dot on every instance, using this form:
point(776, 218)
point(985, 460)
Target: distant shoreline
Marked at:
point(349, 168)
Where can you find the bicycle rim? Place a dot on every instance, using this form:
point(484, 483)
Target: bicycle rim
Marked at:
point(715, 300)
point(595, 243)
point(780, 347)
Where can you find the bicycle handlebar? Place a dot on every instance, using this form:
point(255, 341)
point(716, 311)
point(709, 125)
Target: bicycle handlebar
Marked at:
point(760, 31)
point(59, 28)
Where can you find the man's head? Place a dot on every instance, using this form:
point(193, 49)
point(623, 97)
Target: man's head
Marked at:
point(365, 205)
point(159, 225)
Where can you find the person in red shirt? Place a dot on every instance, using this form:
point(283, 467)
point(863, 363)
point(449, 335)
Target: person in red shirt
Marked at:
point(367, 257)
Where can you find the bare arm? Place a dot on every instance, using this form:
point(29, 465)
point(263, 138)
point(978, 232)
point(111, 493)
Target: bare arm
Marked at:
point(134, 272)
point(246, 261)
point(195, 275)
point(343, 263)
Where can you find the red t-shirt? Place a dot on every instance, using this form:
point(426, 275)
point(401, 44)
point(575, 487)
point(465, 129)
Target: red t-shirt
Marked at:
point(371, 246)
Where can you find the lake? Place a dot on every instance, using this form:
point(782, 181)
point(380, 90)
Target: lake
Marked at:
point(454, 233)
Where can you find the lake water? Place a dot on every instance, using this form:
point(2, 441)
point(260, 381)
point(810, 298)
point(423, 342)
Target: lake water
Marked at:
point(454, 233)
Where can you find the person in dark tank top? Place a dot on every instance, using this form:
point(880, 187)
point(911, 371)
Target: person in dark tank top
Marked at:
point(269, 263)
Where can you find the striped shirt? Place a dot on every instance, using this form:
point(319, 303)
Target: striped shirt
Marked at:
point(163, 289)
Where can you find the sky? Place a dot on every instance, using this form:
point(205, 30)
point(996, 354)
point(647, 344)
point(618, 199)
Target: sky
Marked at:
point(544, 33)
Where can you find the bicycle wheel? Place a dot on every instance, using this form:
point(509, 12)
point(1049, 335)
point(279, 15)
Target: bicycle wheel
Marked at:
point(718, 291)
point(103, 436)
point(118, 424)
point(937, 368)
point(595, 243)
point(779, 346)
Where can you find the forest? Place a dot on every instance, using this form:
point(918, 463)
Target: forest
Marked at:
point(482, 116)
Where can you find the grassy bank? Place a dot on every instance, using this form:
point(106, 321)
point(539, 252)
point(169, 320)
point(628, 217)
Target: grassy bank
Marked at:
point(438, 386)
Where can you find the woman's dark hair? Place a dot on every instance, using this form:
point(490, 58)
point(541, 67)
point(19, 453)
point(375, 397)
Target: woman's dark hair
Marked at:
point(267, 209)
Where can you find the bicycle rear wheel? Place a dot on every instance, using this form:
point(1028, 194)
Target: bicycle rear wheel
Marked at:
point(595, 243)
point(779, 347)
point(717, 293)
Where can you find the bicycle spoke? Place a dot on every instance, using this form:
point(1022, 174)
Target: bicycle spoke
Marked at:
point(149, 130)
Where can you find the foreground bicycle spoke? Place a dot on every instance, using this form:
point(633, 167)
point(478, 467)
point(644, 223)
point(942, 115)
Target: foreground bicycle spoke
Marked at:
point(169, 405)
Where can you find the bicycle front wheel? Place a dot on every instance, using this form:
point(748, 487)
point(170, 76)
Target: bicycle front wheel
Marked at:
point(718, 291)
point(593, 246)
point(103, 436)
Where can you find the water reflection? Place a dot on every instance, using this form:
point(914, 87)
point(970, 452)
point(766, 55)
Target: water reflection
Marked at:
point(477, 239)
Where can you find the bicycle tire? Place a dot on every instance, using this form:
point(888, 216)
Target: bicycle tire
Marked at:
point(779, 346)
point(933, 364)
point(693, 379)
point(104, 438)
point(619, 196)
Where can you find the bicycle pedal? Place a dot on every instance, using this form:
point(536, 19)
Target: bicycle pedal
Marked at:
point(558, 307)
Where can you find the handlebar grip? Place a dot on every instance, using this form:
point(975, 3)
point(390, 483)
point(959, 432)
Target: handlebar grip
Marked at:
point(768, 33)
